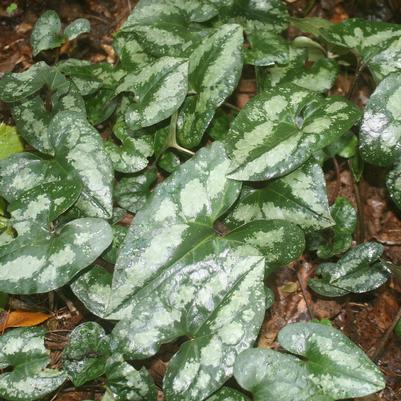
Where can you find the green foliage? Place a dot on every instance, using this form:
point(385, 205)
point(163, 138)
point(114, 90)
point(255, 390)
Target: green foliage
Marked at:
point(331, 367)
point(222, 199)
point(47, 33)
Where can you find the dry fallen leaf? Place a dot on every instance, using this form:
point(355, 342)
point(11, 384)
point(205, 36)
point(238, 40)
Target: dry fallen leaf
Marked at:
point(21, 318)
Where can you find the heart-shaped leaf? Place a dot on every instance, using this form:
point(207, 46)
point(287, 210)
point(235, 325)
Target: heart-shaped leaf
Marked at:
point(299, 198)
point(24, 350)
point(51, 256)
point(279, 130)
point(159, 91)
point(331, 368)
point(79, 149)
point(381, 125)
point(10, 142)
point(377, 43)
point(359, 270)
point(85, 356)
point(336, 240)
point(179, 215)
point(222, 320)
point(214, 71)
point(132, 192)
point(46, 33)
point(76, 28)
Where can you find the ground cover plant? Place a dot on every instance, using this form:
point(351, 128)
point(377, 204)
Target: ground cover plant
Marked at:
point(137, 192)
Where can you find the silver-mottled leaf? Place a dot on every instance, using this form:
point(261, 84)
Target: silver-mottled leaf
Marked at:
point(299, 198)
point(214, 71)
point(279, 130)
point(76, 28)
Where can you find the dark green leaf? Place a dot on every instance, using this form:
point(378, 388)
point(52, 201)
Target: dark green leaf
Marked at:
point(358, 271)
point(279, 130)
point(228, 394)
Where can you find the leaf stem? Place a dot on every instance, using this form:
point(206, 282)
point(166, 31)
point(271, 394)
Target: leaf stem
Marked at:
point(172, 137)
point(232, 107)
point(359, 69)
point(360, 232)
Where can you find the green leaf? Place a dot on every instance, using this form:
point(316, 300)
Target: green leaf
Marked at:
point(312, 25)
point(131, 192)
point(46, 33)
point(279, 130)
point(337, 239)
point(23, 349)
point(76, 28)
point(159, 90)
point(319, 77)
point(125, 383)
point(331, 368)
point(266, 48)
point(165, 28)
point(132, 155)
point(393, 183)
point(79, 150)
point(377, 43)
point(119, 233)
point(101, 105)
point(179, 215)
point(299, 198)
point(169, 161)
point(93, 289)
point(15, 87)
point(214, 71)
point(228, 394)
point(85, 356)
point(278, 241)
point(381, 125)
point(359, 270)
point(32, 118)
point(10, 142)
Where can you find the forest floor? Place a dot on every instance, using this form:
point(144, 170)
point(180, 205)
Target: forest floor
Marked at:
point(367, 319)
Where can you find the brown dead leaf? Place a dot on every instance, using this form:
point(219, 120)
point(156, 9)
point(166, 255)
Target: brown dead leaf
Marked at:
point(21, 318)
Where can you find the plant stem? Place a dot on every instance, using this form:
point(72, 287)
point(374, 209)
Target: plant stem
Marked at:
point(172, 137)
point(232, 107)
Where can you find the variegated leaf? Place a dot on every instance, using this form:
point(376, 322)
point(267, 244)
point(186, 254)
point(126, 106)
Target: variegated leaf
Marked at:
point(46, 33)
point(279, 130)
point(228, 394)
point(79, 149)
point(159, 91)
point(299, 198)
point(332, 367)
point(359, 270)
point(214, 70)
point(23, 349)
point(76, 28)
point(380, 133)
point(377, 43)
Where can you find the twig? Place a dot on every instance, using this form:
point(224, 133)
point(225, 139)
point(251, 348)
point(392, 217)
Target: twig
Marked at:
point(380, 347)
point(232, 107)
point(305, 294)
point(70, 305)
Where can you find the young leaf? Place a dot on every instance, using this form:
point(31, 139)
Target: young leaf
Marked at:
point(214, 71)
point(312, 25)
point(299, 198)
point(279, 130)
point(332, 367)
point(85, 356)
point(377, 43)
point(278, 241)
point(46, 33)
point(381, 125)
point(159, 91)
point(10, 142)
point(24, 350)
point(336, 240)
point(131, 192)
point(76, 28)
point(125, 383)
point(360, 270)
